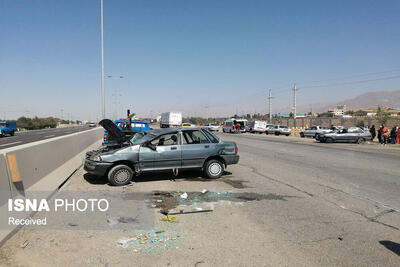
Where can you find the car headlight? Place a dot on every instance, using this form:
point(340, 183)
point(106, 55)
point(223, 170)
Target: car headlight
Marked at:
point(95, 158)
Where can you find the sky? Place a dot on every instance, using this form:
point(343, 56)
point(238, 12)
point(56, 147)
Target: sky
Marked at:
point(204, 58)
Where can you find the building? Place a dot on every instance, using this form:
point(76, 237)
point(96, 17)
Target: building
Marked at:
point(338, 111)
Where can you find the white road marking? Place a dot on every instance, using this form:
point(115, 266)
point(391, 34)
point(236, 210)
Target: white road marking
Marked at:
point(11, 143)
point(49, 135)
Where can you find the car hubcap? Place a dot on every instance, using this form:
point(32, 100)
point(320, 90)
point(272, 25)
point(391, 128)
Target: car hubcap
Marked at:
point(215, 168)
point(122, 176)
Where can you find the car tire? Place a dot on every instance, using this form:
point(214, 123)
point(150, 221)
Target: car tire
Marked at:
point(213, 169)
point(12, 133)
point(317, 137)
point(360, 141)
point(120, 175)
point(277, 133)
point(287, 134)
point(266, 132)
point(302, 135)
point(328, 140)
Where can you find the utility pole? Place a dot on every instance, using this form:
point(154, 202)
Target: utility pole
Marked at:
point(103, 99)
point(294, 105)
point(269, 106)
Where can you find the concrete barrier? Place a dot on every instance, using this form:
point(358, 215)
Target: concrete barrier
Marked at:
point(42, 166)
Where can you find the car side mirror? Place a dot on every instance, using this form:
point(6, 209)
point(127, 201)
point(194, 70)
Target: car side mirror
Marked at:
point(151, 146)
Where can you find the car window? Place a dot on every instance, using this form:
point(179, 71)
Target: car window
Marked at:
point(194, 137)
point(211, 136)
point(314, 128)
point(140, 138)
point(166, 140)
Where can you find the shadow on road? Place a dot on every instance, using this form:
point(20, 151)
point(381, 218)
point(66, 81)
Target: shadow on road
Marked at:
point(188, 175)
point(394, 247)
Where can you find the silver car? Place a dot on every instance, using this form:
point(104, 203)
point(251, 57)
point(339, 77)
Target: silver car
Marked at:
point(348, 135)
point(278, 130)
point(161, 149)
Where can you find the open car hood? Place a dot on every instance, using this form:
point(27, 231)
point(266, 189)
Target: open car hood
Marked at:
point(114, 133)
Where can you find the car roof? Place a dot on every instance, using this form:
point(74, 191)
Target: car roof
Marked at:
point(170, 130)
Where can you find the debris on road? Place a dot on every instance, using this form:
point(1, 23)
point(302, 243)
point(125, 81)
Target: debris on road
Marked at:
point(25, 244)
point(169, 218)
point(172, 200)
point(149, 241)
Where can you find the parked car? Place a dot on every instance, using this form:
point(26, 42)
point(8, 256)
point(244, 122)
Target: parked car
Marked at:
point(352, 134)
point(315, 131)
point(278, 130)
point(7, 127)
point(161, 149)
point(214, 127)
point(229, 125)
point(91, 124)
point(257, 126)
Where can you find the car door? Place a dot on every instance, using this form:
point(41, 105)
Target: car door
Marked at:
point(196, 147)
point(167, 153)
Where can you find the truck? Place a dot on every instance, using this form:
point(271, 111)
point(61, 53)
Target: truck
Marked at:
point(128, 127)
point(171, 119)
point(7, 127)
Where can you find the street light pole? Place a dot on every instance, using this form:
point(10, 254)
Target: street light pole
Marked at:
point(103, 100)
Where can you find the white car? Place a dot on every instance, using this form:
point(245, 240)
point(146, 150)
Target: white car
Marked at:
point(278, 130)
point(212, 127)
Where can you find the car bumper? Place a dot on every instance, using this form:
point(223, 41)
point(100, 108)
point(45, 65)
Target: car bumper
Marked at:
point(231, 159)
point(96, 167)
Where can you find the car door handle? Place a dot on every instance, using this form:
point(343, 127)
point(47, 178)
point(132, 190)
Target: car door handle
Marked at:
point(206, 146)
point(173, 148)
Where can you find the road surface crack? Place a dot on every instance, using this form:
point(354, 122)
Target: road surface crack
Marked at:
point(254, 170)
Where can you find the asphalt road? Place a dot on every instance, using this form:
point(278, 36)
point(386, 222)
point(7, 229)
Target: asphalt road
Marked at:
point(289, 202)
point(36, 135)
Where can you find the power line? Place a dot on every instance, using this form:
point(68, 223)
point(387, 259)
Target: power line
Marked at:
point(354, 82)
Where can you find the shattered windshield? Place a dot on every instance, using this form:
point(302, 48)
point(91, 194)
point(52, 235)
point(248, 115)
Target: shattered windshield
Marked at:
point(140, 138)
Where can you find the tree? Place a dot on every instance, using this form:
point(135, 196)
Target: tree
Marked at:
point(326, 115)
point(381, 116)
point(360, 123)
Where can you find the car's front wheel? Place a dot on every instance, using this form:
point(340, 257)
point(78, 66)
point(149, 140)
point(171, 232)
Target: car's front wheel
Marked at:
point(213, 168)
point(328, 140)
point(120, 175)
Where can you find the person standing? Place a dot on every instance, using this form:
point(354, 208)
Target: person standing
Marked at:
point(384, 134)
point(373, 132)
point(393, 134)
point(380, 134)
point(398, 135)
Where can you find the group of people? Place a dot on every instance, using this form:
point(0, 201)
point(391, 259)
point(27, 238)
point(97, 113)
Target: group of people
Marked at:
point(385, 136)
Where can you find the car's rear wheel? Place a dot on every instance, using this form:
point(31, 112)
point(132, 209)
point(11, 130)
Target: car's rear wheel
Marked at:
point(302, 135)
point(120, 175)
point(317, 137)
point(329, 140)
point(213, 168)
point(360, 141)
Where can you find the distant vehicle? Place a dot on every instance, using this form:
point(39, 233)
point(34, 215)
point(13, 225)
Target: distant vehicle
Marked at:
point(214, 127)
point(229, 125)
point(346, 135)
point(278, 130)
point(7, 127)
point(315, 131)
point(171, 119)
point(91, 124)
point(136, 126)
point(158, 150)
point(188, 125)
point(257, 126)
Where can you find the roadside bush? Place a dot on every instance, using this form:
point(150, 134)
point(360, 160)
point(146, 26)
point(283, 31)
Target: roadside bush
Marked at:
point(36, 123)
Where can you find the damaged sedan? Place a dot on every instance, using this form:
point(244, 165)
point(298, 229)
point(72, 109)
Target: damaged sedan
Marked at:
point(159, 150)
